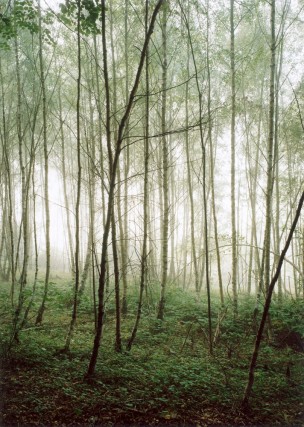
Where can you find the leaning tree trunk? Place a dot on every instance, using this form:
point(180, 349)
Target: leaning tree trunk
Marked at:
point(270, 288)
point(144, 255)
point(111, 196)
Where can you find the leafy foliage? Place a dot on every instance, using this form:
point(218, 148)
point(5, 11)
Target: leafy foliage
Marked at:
point(89, 15)
point(168, 377)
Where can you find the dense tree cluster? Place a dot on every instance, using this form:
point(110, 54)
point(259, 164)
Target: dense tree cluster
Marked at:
point(150, 142)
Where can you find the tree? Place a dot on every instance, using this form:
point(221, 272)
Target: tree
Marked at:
point(46, 171)
point(232, 166)
point(270, 288)
point(165, 162)
point(117, 151)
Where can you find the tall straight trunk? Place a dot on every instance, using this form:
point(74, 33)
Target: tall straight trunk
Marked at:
point(90, 145)
point(277, 167)
point(172, 203)
point(118, 346)
point(100, 119)
point(204, 185)
point(165, 180)
point(111, 198)
point(26, 166)
point(212, 163)
point(189, 177)
point(77, 207)
point(270, 148)
point(39, 317)
point(24, 202)
point(144, 254)
point(36, 270)
point(10, 198)
point(252, 178)
point(126, 159)
point(232, 165)
point(65, 190)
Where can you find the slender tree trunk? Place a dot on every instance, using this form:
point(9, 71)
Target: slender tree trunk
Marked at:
point(33, 294)
point(144, 255)
point(270, 288)
point(212, 163)
point(65, 190)
point(39, 317)
point(118, 346)
point(10, 199)
point(165, 180)
point(77, 210)
point(102, 274)
point(232, 167)
point(204, 185)
point(126, 159)
point(270, 149)
point(193, 221)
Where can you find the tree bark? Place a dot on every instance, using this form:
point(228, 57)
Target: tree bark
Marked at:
point(270, 288)
point(165, 180)
point(102, 274)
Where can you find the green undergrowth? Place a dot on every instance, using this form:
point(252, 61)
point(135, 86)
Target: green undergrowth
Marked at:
point(169, 376)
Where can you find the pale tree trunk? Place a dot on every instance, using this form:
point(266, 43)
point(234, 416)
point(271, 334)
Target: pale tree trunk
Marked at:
point(39, 317)
point(65, 190)
point(100, 120)
point(126, 159)
point(204, 185)
point(91, 148)
point(118, 346)
point(172, 207)
point(111, 198)
point(10, 198)
point(144, 254)
point(24, 202)
point(25, 175)
point(165, 180)
point(277, 169)
point(252, 177)
point(212, 163)
point(26, 166)
point(31, 301)
point(232, 166)
point(193, 221)
point(270, 149)
point(77, 207)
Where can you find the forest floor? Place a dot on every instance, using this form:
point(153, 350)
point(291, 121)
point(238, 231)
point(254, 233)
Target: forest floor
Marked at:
point(168, 377)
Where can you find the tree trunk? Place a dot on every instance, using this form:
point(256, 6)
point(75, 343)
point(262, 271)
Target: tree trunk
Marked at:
point(270, 149)
point(39, 317)
point(102, 274)
point(77, 208)
point(144, 255)
point(165, 180)
point(232, 166)
point(270, 288)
